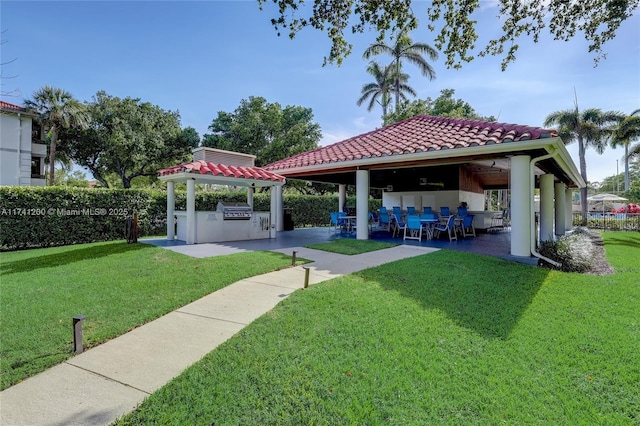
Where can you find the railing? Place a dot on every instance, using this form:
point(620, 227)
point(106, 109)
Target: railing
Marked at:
point(608, 221)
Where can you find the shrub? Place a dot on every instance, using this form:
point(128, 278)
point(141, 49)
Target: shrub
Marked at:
point(52, 216)
point(574, 251)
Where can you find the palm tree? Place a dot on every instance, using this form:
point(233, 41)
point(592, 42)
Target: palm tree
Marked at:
point(590, 128)
point(405, 49)
point(378, 91)
point(626, 132)
point(57, 110)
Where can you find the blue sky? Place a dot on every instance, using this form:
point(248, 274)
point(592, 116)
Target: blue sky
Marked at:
point(201, 57)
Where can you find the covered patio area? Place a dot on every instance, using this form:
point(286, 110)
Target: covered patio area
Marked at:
point(437, 161)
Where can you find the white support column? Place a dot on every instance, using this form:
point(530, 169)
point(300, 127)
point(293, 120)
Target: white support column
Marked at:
point(280, 209)
point(342, 197)
point(274, 211)
point(568, 209)
point(171, 206)
point(560, 213)
point(520, 206)
point(362, 204)
point(546, 207)
point(191, 211)
point(250, 196)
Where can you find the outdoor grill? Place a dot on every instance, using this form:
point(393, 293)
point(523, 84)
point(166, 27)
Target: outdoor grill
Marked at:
point(235, 211)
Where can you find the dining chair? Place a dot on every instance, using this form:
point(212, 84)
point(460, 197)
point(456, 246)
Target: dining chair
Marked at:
point(398, 225)
point(444, 211)
point(414, 228)
point(397, 211)
point(411, 210)
point(428, 210)
point(343, 223)
point(466, 226)
point(333, 216)
point(384, 221)
point(447, 227)
point(383, 209)
point(462, 211)
point(373, 221)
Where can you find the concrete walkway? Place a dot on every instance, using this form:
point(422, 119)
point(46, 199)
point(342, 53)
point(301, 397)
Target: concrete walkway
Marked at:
point(110, 380)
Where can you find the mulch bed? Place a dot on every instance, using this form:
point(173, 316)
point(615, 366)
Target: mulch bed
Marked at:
point(600, 264)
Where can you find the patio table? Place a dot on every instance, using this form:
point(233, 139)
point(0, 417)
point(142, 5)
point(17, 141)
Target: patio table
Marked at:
point(351, 223)
point(429, 224)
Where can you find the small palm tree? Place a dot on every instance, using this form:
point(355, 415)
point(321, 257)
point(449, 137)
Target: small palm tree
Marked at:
point(626, 132)
point(590, 128)
point(405, 49)
point(57, 110)
point(379, 90)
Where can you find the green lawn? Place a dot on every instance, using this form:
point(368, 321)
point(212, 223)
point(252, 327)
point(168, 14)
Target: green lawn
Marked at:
point(351, 246)
point(444, 338)
point(118, 287)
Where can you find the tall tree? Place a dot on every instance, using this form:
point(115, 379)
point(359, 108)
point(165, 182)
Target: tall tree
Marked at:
point(130, 138)
point(57, 110)
point(590, 128)
point(443, 106)
point(379, 90)
point(265, 130)
point(626, 132)
point(455, 21)
point(404, 49)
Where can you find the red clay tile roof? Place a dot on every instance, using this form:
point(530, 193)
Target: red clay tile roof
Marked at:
point(418, 134)
point(202, 167)
point(7, 105)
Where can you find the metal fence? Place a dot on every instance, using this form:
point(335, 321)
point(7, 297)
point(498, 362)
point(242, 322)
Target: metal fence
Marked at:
point(608, 221)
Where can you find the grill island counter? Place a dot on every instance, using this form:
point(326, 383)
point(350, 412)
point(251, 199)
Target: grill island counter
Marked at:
point(213, 227)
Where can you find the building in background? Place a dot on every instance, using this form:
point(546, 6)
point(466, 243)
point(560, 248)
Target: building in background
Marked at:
point(22, 150)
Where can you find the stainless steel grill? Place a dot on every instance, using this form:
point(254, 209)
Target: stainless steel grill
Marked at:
point(235, 211)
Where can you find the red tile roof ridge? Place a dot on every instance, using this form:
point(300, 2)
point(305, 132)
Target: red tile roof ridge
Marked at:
point(421, 133)
point(7, 105)
point(239, 172)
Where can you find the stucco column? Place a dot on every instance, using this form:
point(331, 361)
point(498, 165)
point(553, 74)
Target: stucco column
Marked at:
point(568, 209)
point(362, 204)
point(560, 213)
point(171, 206)
point(280, 209)
point(191, 211)
point(274, 211)
point(250, 196)
point(342, 197)
point(546, 207)
point(520, 206)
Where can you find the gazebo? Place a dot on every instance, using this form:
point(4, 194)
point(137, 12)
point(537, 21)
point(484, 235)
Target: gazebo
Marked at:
point(219, 167)
point(428, 159)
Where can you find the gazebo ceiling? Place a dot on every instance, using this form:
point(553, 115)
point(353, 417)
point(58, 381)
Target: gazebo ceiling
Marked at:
point(423, 141)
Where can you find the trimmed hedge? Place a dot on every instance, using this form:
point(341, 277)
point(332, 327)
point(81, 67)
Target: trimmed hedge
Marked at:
point(51, 216)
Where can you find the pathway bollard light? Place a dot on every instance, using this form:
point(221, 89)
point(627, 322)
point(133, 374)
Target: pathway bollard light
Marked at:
point(306, 276)
point(293, 258)
point(77, 333)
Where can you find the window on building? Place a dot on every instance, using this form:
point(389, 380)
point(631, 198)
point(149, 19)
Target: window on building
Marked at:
point(36, 163)
point(36, 132)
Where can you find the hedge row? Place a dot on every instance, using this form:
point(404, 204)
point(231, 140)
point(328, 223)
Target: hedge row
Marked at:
point(52, 216)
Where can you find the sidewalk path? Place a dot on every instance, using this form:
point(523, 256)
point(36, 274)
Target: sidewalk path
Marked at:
point(110, 380)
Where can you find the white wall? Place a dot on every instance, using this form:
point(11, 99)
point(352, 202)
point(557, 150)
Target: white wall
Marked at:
point(434, 199)
point(16, 150)
point(9, 149)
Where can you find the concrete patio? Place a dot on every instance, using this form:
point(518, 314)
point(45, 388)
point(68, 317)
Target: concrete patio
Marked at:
point(496, 244)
